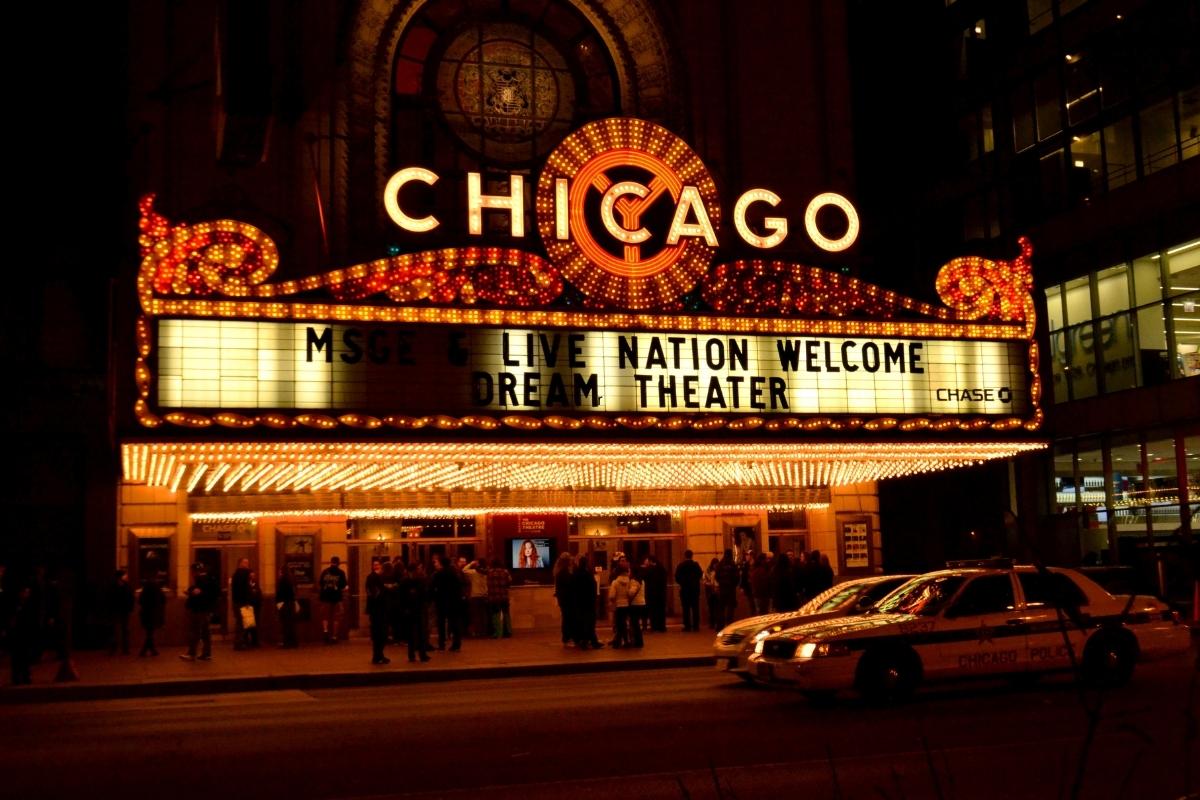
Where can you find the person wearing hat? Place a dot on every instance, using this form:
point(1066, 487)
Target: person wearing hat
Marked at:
point(200, 599)
point(332, 585)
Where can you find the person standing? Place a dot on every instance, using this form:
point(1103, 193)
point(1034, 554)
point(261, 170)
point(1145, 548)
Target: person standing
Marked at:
point(119, 602)
point(447, 601)
point(411, 585)
point(23, 630)
point(152, 605)
point(824, 573)
point(332, 585)
point(285, 607)
point(200, 602)
point(654, 579)
point(760, 584)
point(582, 593)
point(727, 586)
point(637, 610)
point(377, 612)
point(239, 594)
point(618, 595)
point(255, 596)
point(499, 581)
point(713, 593)
point(688, 576)
point(783, 591)
point(566, 602)
point(477, 612)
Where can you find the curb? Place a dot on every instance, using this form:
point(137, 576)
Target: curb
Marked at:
point(75, 692)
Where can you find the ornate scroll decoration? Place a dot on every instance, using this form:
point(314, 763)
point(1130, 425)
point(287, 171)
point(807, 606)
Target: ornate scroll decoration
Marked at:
point(783, 289)
point(977, 288)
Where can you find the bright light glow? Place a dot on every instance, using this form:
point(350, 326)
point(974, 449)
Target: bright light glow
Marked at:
point(806, 650)
point(391, 199)
point(776, 226)
point(820, 239)
point(609, 200)
point(691, 202)
point(513, 203)
point(536, 474)
point(562, 224)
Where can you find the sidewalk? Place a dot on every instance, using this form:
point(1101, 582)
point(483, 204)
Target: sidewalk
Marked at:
point(347, 663)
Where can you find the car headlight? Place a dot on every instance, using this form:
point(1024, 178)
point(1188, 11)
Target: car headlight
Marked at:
point(807, 649)
point(822, 649)
point(758, 645)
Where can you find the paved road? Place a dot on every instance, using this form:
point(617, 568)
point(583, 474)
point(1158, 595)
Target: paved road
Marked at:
point(686, 733)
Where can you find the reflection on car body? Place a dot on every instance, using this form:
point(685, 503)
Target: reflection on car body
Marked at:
point(735, 642)
point(974, 621)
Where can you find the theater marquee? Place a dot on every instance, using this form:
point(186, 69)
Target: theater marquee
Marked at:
point(482, 336)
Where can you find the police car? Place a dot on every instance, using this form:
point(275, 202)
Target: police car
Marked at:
point(735, 643)
point(974, 620)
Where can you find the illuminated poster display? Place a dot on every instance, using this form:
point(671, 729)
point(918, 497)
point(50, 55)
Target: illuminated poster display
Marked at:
point(272, 365)
point(620, 318)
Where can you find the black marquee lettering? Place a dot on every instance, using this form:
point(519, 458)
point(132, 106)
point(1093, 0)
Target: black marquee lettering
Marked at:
point(778, 387)
point(354, 349)
point(508, 389)
point(587, 387)
point(481, 389)
point(378, 353)
point(846, 360)
point(893, 354)
point(323, 343)
point(870, 357)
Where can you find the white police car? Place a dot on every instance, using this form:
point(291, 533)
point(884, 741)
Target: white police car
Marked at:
point(735, 643)
point(986, 619)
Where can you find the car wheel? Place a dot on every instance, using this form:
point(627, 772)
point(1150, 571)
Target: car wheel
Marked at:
point(1108, 659)
point(890, 674)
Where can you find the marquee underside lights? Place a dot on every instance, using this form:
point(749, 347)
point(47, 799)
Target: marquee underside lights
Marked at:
point(607, 272)
point(220, 469)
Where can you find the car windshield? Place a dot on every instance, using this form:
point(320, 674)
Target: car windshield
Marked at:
point(839, 598)
point(922, 596)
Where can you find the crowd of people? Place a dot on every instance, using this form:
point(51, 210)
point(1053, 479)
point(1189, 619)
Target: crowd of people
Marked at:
point(421, 606)
point(782, 582)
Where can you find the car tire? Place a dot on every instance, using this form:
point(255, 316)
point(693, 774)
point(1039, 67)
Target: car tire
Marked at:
point(1108, 659)
point(888, 674)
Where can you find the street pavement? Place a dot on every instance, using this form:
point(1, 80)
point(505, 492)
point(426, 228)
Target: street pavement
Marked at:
point(347, 663)
point(680, 733)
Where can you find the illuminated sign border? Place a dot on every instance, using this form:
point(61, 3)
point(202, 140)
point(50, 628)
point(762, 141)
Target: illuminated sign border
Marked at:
point(220, 270)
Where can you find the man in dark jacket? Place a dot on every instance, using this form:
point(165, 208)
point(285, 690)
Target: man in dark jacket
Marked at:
point(200, 602)
point(654, 576)
point(448, 601)
point(688, 576)
point(582, 594)
point(332, 587)
point(285, 607)
point(377, 612)
point(728, 578)
point(411, 585)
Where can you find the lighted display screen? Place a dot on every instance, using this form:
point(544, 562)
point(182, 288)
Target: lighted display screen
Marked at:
point(217, 364)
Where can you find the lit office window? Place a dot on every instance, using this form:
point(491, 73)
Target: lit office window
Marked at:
point(1162, 486)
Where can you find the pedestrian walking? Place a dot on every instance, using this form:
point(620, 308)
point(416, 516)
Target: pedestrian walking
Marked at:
point(563, 573)
point(413, 599)
point(285, 609)
point(447, 601)
point(377, 612)
point(712, 593)
point(499, 581)
point(152, 604)
point(332, 590)
point(688, 577)
point(119, 602)
point(582, 591)
point(200, 600)
point(728, 578)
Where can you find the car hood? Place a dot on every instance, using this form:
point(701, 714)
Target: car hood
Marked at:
point(866, 624)
point(788, 619)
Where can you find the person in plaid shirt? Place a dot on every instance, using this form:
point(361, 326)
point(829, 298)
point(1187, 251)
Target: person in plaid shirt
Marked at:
point(498, 581)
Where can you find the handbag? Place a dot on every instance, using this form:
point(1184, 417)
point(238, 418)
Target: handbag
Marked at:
point(248, 620)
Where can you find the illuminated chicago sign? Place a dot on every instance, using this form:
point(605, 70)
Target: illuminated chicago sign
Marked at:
point(489, 337)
